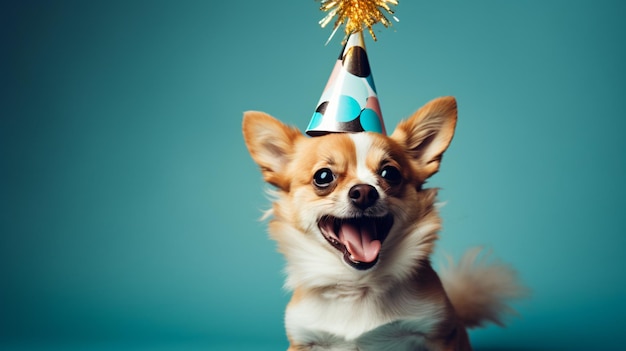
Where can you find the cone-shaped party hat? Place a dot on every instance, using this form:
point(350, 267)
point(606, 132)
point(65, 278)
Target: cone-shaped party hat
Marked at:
point(349, 103)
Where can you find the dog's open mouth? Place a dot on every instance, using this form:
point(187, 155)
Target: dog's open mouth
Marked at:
point(359, 239)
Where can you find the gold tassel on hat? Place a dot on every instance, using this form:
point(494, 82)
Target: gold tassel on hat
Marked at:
point(357, 14)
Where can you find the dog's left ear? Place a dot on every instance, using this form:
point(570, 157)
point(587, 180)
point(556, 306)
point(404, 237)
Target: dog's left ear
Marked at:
point(427, 134)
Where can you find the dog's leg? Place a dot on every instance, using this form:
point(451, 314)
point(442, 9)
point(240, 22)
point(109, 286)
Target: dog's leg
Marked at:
point(458, 340)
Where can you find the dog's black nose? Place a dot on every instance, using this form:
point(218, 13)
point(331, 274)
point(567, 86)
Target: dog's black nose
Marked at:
point(363, 195)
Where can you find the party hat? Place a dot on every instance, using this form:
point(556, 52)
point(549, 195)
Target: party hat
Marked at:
point(349, 103)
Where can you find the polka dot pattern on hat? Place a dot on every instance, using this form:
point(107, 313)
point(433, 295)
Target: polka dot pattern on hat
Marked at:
point(349, 103)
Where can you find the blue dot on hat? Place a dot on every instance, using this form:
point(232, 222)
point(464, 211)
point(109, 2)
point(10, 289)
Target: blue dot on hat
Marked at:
point(370, 81)
point(370, 121)
point(348, 109)
point(315, 120)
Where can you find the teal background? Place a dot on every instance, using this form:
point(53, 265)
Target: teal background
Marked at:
point(129, 206)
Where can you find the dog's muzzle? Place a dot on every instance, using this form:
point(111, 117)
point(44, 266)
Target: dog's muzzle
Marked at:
point(359, 239)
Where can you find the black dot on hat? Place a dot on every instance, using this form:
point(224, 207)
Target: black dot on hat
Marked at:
point(322, 107)
point(353, 126)
point(355, 61)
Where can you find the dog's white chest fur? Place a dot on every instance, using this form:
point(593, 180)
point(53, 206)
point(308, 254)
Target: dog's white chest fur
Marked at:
point(362, 323)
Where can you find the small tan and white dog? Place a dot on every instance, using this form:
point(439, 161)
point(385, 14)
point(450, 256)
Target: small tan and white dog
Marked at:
point(357, 227)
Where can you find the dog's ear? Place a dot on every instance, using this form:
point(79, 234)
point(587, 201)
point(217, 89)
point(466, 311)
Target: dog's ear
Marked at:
point(270, 144)
point(427, 134)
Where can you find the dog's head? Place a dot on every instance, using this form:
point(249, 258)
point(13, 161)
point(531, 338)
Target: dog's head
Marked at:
point(355, 197)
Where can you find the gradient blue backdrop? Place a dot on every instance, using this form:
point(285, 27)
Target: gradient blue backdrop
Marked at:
point(129, 206)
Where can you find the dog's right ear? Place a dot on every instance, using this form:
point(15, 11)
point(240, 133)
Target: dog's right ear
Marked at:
point(270, 144)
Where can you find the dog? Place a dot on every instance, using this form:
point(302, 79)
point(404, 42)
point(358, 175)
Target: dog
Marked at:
point(357, 226)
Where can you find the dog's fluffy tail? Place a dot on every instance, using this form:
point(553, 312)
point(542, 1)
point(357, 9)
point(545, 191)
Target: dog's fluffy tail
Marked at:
point(479, 291)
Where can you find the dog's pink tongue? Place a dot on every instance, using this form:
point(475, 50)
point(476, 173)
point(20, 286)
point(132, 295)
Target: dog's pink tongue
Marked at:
point(360, 242)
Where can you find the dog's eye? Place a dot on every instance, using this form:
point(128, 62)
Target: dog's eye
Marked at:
point(391, 174)
point(323, 177)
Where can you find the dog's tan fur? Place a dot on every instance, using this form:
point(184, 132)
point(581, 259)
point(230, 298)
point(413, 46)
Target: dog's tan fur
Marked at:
point(399, 303)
